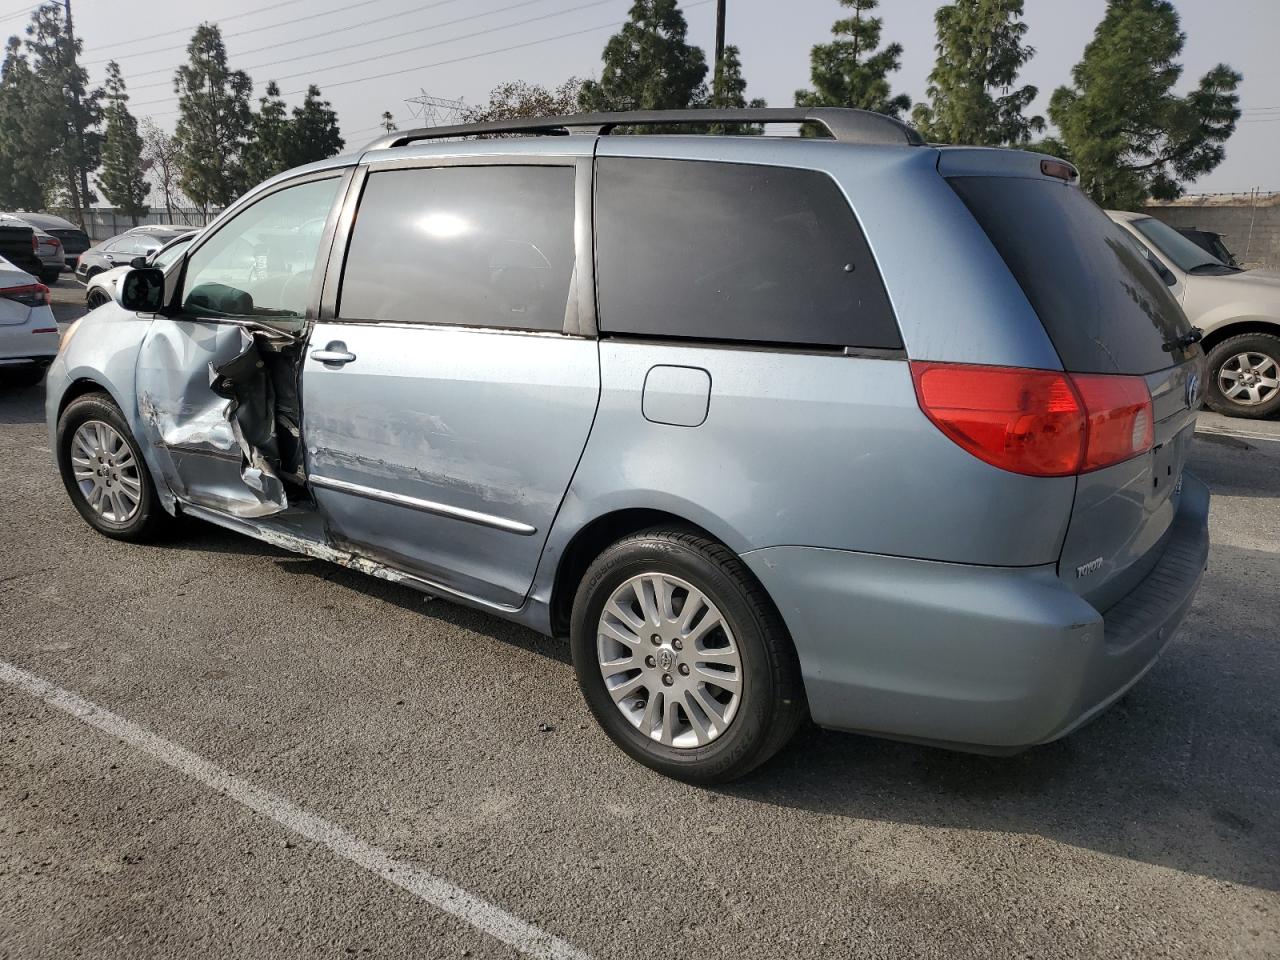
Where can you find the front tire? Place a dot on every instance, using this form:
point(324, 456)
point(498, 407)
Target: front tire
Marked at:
point(95, 298)
point(682, 657)
point(1244, 376)
point(104, 473)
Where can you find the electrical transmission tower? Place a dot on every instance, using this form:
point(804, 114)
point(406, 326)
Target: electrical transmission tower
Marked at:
point(434, 111)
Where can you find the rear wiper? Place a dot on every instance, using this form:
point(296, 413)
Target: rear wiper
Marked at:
point(1181, 343)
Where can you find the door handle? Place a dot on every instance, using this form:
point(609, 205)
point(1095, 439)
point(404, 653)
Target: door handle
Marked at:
point(335, 354)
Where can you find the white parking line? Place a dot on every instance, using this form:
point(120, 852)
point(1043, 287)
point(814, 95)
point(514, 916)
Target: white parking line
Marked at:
point(438, 892)
point(1242, 436)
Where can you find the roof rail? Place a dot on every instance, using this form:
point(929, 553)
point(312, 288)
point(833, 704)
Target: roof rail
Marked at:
point(844, 124)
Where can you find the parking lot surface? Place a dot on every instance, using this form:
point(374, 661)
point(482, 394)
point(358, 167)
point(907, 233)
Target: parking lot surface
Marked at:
point(452, 744)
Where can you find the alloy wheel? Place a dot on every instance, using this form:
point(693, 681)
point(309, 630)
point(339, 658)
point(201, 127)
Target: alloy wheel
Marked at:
point(1249, 378)
point(669, 660)
point(106, 471)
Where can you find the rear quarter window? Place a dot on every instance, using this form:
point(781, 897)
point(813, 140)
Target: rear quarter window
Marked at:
point(691, 249)
point(1103, 307)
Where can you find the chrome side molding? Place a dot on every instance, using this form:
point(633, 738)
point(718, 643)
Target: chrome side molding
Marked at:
point(426, 506)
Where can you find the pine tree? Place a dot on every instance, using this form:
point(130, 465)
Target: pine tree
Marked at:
point(729, 92)
point(21, 167)
point(267, 151)
point(122, 180)
point(972, 98)
point(388, 122)
point(849, 71)
point(213, 121)
point(63, 110)
point(648, 65)
point(1121, 123)
point(313, 131)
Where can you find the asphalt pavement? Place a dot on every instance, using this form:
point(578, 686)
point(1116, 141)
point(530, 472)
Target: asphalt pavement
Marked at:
point(213, 748)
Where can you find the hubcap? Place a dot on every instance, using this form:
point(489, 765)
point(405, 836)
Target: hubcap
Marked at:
point(105, 471)
point(1249, 378)
point(669, 660)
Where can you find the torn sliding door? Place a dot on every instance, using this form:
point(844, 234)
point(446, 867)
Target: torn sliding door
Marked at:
point(219, 403)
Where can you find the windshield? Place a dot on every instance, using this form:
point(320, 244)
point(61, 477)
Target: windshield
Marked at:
point(1186, 254)
point(171, 253)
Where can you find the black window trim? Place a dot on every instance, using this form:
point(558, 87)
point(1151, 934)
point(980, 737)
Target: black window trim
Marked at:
point(580, 322)
point(841, 349)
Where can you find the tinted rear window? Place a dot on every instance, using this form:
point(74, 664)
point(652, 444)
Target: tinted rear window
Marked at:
point(734, 252)
point(1104, 308)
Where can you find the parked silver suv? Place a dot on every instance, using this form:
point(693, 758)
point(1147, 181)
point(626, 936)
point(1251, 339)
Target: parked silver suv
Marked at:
point(854, 428)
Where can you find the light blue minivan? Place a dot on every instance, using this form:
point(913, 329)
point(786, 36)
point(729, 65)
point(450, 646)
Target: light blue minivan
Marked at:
point(844, 427)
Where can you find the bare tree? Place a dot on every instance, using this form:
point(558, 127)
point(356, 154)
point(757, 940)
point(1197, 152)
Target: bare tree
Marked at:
point(160, 154)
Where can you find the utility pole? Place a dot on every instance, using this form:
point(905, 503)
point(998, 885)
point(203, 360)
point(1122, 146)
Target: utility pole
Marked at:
point(82, 207)
point(719, 36)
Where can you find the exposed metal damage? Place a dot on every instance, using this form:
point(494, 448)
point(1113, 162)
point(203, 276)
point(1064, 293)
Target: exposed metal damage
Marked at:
point(222, 409)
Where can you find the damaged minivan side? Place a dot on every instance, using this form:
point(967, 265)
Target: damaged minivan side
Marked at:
point(686, 400)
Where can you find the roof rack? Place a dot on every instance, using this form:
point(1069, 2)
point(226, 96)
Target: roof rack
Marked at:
point(844, 124)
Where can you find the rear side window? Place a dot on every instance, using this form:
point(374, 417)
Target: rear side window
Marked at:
point(1105, 310)
point(734, 252)
point(487, 246)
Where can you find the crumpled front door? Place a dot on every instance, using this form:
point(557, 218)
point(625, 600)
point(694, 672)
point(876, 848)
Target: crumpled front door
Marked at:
point(219, 404)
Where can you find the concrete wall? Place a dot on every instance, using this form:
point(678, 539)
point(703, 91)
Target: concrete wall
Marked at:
point(1250, 224)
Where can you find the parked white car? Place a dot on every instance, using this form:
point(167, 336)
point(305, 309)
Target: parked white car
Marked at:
point(1238, 310)
point(101, 287)
point(28, 331)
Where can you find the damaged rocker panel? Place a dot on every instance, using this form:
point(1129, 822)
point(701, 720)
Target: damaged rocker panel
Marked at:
point(269, 531)
point(426, 506)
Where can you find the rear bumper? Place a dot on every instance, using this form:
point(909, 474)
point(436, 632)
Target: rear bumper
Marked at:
point(994, 659)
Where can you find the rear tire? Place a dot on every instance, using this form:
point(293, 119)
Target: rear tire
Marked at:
point(95, 298)
point(126, 509)
point(1244, 376)
point(731, 736)
point(49, 278)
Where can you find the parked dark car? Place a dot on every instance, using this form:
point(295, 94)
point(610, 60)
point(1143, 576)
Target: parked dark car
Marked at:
point(119, 251)
point(1210, 242)
point(18, 245)
point(74, 240)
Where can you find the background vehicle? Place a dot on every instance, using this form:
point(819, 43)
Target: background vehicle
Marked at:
point(28, 331)
point(18, 245)
point(102, 285)
point(749, 467)
point(1238, 310)
point(74, 240)
point(123, 249)
point(1211, 242)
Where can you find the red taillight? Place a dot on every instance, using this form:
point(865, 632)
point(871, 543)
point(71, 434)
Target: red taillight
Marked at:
point(31, 294)
point(1120, 418)
point(1041, 423)
point(35, 243)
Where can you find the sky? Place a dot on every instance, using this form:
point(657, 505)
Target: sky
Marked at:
point(368, 56)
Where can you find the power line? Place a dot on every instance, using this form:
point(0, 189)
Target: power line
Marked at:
point(365, 43)
point(424, 46)
point(240, 33)
point(317, 36)
point(474, 56)
point(168, 33)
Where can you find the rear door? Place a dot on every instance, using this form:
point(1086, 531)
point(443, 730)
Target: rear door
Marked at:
point(447, 391)
point(1106, 311)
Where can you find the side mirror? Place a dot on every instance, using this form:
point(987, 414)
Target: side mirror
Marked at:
point(142, 290)
point(138, 263)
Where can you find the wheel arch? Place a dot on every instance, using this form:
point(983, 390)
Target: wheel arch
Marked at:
point(1235, 328)
point(591, 540)
point(81, 387)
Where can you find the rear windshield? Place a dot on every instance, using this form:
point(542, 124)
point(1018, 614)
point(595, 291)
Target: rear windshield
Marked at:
point(1105, 309)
